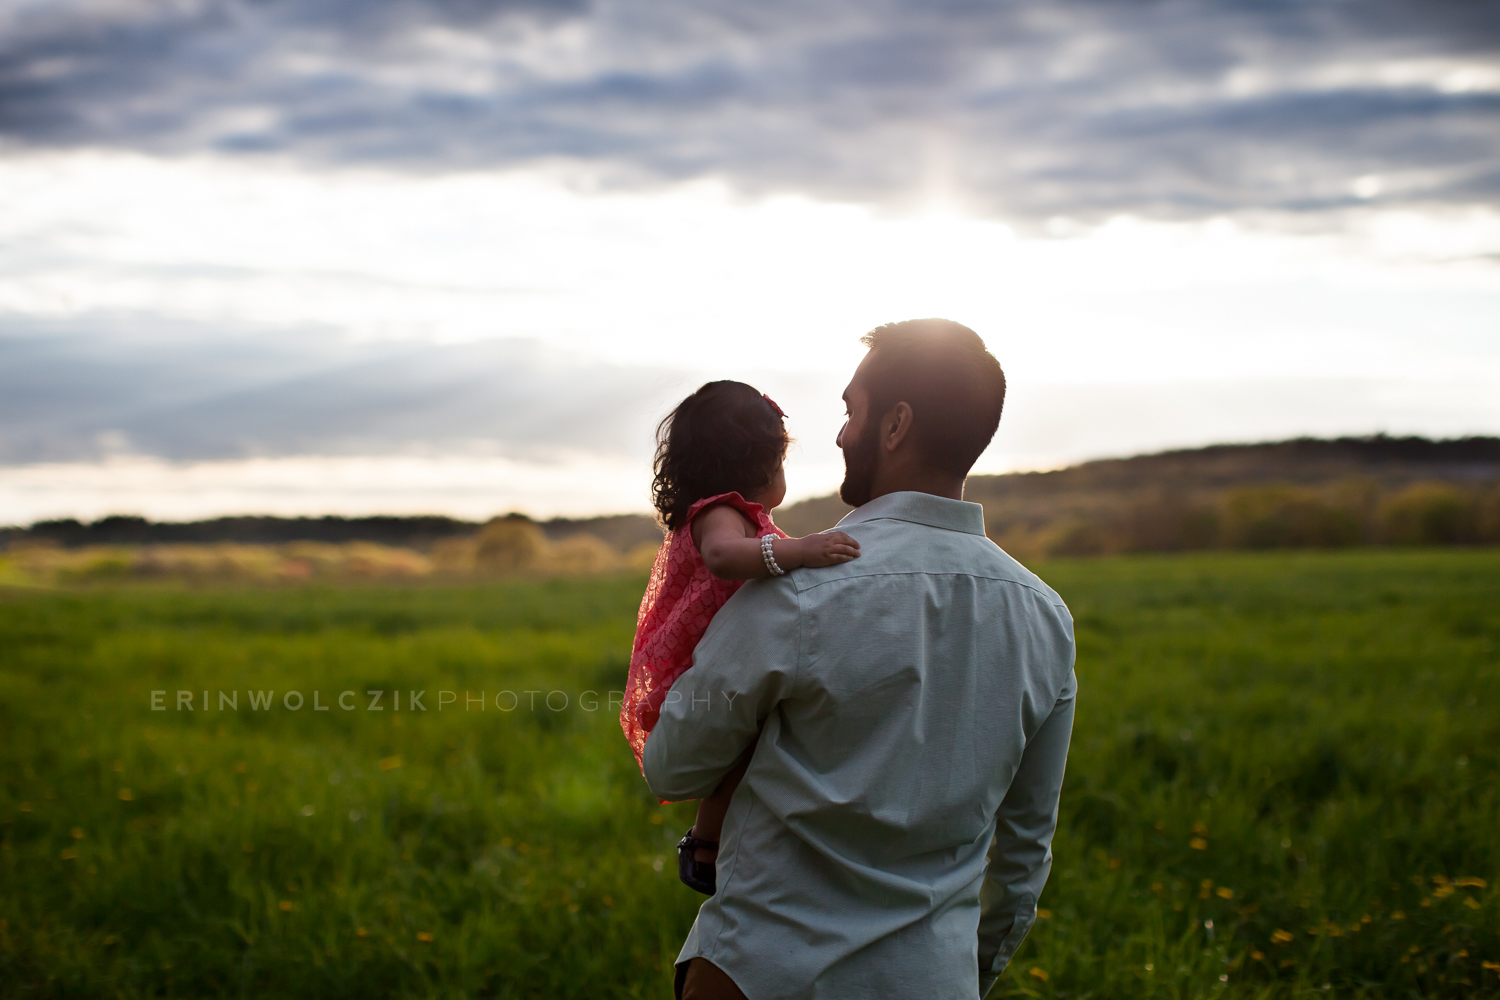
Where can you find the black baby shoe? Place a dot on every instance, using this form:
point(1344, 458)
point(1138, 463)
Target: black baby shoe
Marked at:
point(695, 874)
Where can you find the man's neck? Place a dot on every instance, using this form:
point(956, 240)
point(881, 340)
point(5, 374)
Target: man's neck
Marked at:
point(939, 485)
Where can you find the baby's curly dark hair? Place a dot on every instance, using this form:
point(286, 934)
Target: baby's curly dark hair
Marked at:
point(725, 438)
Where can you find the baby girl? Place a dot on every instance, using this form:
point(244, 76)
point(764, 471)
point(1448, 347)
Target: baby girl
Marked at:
point(718, 476)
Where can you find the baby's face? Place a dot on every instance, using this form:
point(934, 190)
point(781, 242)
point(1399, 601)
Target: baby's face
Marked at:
point(775, 490)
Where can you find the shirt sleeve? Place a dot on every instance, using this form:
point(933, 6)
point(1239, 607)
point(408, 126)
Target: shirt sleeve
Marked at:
point(745, 663)
point(1020, 857)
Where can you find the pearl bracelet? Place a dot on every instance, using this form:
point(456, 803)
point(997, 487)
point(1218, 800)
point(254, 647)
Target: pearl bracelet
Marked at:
point(765, 553)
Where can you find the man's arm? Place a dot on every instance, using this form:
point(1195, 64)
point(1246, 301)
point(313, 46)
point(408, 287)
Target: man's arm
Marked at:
point(1020, 856)
point(743, 666)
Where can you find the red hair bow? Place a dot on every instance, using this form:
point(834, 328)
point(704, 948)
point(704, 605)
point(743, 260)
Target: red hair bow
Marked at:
point(779, 411)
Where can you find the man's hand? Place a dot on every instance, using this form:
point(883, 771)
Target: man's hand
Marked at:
point(827, 549)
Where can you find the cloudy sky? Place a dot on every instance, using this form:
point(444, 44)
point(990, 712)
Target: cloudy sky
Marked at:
point(459, 256)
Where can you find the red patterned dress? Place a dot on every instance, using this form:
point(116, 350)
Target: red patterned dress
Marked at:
point(681, 599)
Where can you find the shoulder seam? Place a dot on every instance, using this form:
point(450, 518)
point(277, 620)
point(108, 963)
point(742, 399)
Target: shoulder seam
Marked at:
point(924, 524)
point(978, 576)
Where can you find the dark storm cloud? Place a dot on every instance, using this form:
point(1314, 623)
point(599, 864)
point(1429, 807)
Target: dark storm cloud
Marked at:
point(86, 388)
point(1028, 108)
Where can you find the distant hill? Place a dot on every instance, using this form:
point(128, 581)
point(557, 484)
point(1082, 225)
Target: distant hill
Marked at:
point(1389, 460)
point(423, 532)
point(1304, 492)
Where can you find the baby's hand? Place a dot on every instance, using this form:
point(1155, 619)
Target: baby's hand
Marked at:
point(828, 549)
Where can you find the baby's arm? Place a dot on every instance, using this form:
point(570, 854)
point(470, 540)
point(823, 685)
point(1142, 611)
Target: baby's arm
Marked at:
point(730, 550)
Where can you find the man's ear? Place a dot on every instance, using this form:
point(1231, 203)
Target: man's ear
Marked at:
point(895, 426)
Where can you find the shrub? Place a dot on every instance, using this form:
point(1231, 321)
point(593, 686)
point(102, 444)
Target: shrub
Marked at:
point(1285, 517)
point(1170, 525)
point(1429, 514)
point(509, 545)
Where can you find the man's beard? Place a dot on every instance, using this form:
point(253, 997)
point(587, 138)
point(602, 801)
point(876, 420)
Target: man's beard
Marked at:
point(859, 469)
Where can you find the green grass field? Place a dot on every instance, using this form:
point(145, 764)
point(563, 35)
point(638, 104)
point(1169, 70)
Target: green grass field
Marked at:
point(1283, 782)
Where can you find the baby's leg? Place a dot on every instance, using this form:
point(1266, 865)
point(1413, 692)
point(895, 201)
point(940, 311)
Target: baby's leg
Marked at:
point(710, 822)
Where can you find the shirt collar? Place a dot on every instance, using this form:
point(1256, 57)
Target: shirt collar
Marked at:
point(921, 508)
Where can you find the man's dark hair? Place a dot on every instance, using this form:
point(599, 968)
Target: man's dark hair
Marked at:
point(724, 438)
point(954, 386)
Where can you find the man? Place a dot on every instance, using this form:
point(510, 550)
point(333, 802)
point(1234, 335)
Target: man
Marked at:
point(909, 712)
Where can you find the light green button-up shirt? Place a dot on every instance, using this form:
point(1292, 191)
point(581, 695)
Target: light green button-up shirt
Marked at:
point(910, 713)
